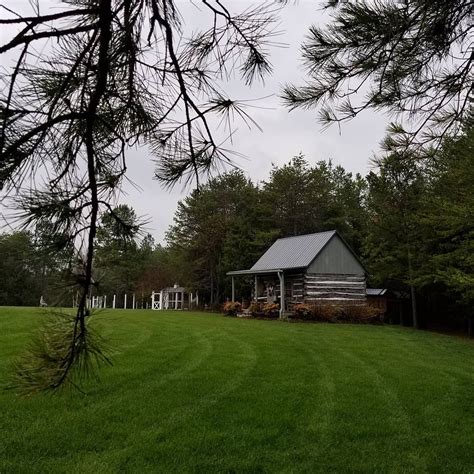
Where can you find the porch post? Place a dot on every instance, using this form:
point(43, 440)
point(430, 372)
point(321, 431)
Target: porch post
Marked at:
point(175, 300)
point(233, 288)
point(256, 289)
point(281, 276)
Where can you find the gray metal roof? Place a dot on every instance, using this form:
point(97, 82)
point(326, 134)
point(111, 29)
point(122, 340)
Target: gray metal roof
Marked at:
point(293, 252)
point(375, 291)
point(175, 289)
point(254, 272)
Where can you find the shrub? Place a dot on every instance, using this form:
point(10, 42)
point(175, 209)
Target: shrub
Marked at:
point(361, 314)
point(302, 310)
point(324, 312)
point(255, 308)
point(245, 304)
point(231, 308)
point(333, 313)
point(271, 310)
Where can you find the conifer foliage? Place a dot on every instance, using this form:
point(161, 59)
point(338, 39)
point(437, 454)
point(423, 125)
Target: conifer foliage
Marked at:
point(112, 74)
point(412, 58)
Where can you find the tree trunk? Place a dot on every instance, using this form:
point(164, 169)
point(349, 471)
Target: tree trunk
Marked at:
point(412, 292)
point(217, 286)
point(212, 288)
point(413, 307)
point(401, 313)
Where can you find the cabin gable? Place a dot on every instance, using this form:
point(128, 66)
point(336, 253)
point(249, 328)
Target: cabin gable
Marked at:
point(336, 258)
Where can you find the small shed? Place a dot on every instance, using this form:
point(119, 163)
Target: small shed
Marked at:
point(390, 303)
point(173, 297)
point(309, 268)
point(377, 297)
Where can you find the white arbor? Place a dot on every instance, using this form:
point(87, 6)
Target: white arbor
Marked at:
point(175, 297)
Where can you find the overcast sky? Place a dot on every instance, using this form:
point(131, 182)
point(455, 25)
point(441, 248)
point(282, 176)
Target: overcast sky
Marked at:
point(285, 133)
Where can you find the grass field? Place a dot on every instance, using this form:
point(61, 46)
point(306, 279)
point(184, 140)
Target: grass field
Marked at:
point(203, 393)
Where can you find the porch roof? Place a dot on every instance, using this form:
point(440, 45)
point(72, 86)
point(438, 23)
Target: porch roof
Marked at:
point(262, 272)
point(253, 272)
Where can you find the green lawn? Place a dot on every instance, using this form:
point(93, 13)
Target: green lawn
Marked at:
point(204, 393)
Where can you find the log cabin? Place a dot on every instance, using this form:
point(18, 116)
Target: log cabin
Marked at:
point(311, 268)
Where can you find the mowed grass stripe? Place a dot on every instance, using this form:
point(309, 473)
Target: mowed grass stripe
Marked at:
point(203, 393)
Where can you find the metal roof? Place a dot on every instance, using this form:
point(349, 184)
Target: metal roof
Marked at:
point(175, 289)
point(254, 272)
point(293, 252)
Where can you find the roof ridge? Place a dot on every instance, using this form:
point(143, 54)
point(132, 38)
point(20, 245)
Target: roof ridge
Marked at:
point(307, 235)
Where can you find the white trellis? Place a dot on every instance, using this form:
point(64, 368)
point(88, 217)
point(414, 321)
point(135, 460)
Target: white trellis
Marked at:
point(156, 300)
point(174, 297)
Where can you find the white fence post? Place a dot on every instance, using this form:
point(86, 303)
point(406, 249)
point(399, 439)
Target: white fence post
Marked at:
point(113, 302)
point(125, 301)
point(133, 301)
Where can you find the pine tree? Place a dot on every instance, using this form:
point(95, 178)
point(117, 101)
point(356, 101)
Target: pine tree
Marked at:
point(412, 58)
point(393, 243)
point(114, 74)
point(447, 222)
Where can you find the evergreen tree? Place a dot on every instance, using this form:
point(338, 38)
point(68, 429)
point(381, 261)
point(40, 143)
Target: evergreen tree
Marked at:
point(54, 255)
point(18, 267)
point(394, 237)
point(286, 197)
point(118, 263)
point(447, 221)
point(304, 199)
point(217, 229)
point(411, 57)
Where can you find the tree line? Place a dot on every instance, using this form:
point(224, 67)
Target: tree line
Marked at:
point(410, 219)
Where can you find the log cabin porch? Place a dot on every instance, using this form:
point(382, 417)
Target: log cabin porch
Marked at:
point(274, 286)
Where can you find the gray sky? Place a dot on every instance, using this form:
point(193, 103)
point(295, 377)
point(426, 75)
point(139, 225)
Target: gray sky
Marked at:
point(285, 133)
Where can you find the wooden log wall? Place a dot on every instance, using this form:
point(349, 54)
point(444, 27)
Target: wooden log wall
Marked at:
point(295, 287)
point(335, 288)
